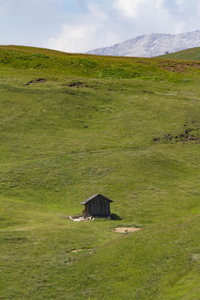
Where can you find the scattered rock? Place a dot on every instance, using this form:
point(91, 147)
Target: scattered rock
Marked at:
point(148, 92)
point(184, 137)
point(80, 218)
point(29, 82)
point(41, 80)
point(77, 84)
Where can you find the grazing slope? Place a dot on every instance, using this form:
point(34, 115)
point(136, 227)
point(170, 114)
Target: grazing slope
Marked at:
point(76, 125)
point(189, 54)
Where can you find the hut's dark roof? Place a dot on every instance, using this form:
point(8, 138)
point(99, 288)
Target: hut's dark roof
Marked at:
point(94, 196)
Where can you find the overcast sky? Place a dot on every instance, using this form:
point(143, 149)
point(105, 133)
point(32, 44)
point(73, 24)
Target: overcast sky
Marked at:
point(82, 25)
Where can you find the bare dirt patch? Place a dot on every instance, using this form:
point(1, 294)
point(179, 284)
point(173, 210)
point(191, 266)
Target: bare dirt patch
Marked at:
point(126, 229)
point(79, 250)
point(180, 67)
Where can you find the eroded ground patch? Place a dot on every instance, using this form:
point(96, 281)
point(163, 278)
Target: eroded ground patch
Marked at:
point(126, 229)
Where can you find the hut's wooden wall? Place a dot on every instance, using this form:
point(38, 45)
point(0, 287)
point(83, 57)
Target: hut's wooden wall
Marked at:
point(98, 206)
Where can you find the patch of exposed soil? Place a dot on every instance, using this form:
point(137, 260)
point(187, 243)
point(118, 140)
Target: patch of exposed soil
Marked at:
point(179, 67)
point(79, 250)
point(126, 229)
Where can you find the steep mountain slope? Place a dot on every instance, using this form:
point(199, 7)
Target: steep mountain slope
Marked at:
point(76, 125)
point(152, 45)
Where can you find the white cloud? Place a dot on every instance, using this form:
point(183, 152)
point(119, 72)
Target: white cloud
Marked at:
point(73, 38)
point(81, 25)
point(187, 16)
point(104, 23)
point(130, 9)
point(179, 4)
point(29, 22)
point(4, 8)
point(146, 16)
point(100, 27)
point(159, 3)
point(90, 31)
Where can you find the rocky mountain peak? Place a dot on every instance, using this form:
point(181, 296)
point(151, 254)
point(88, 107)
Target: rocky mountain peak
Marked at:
point(152, 45)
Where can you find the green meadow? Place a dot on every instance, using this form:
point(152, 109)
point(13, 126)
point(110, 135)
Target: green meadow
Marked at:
point(188, 54)
point(74, 125)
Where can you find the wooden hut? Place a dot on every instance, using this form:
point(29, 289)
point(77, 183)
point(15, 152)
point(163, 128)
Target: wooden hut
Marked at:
point(97, 206)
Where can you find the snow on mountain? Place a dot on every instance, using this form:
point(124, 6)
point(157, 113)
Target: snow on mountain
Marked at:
point(152, 45)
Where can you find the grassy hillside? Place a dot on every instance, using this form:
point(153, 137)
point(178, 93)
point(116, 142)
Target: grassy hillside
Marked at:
point(77, 125)
point(188, 54)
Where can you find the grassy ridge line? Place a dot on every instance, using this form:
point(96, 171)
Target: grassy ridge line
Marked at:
point(89, 65)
